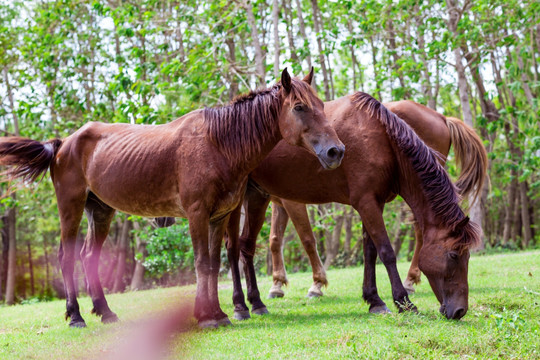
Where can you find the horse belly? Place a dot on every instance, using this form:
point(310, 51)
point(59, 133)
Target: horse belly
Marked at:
point(148, 203)
point(140, 188)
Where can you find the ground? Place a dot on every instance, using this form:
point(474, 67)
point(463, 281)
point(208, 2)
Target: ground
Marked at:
point(503, 321)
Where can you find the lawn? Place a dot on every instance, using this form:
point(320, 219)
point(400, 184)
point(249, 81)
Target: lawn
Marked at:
point(503, 321)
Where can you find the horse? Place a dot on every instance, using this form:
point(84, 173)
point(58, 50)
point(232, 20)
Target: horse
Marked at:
point(195, 167)
point(439, 133)
point(384, 157)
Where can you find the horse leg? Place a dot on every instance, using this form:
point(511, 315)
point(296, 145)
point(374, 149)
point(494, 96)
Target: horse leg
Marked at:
point(255, 204)
point(300, 219)
point(371, 213)
point(241, 311)
point(99, 217)
point(369, 287)
point(70, 210)
point(277, 230)
point(414, 274)
point(198, 229)
point(216, 233)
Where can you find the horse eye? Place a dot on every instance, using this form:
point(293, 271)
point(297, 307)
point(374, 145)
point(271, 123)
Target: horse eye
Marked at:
point(298, 107)
point(453, 255)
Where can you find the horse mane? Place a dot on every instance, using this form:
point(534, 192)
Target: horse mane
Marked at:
point(240, 130)
point(440, 192)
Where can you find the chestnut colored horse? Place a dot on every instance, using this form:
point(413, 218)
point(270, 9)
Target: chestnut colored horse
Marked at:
point(196, 167)
point(384, 157)
point(438, 132)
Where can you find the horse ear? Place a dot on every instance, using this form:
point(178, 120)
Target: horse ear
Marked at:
point(286, 80)
point(309, 77)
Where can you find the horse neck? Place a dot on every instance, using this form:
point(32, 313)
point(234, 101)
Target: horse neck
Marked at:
point(246, 131)
point(256, 158)
point(410, 189)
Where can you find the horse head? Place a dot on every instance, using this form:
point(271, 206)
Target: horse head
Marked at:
point(444, 259)
point(304, 123)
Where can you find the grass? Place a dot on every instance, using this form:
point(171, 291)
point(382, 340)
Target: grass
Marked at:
point(503, 321)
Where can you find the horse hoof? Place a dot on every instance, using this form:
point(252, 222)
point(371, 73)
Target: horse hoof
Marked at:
point(208, 324)
point(313, 294)
point(380, 309)
point(77, 324)
point(242, 315)
point(109, 318)
point(276, 294)
point(409, 287)
point(223, 322)
point(260, 311)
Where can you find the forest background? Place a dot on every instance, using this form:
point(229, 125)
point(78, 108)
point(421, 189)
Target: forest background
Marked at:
point(64, 63)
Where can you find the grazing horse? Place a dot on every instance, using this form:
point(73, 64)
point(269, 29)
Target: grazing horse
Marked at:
point(384, 157)
point(439, 133)
point(194, 167)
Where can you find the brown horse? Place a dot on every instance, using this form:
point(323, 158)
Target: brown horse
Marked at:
point(384, 158)
point(195, 167)
point(438, 132)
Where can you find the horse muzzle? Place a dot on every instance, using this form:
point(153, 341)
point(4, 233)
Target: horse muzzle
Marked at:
point(331, 157)
point(453, 312)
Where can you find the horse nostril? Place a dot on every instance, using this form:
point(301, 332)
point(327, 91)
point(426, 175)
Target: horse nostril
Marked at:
point(333, 152)
point(459, 313)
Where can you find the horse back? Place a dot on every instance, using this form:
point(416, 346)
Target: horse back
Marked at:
point(428, 124)
point(120, 162)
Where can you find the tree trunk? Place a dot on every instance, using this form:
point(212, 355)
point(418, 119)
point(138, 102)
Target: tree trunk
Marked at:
point(275, 21)
point(31, 269)
point(123, 243)
point(453, 19)
point(4, 262)
point(233, 83)
point(517, 221)
point(375, 71)
point(318, 29)
point(47, 272)
point(509, 210)
point(524, 78)
point(525, 216)
point(302, 26)
point(332, 242)
point(12, 256)
point(290, 37)
point(353, 57)
point(260, 71)
point(11, 102)
point(347, 223)
point(427, 89)
point(137, 280)
point(401, 230)
point(392, 47)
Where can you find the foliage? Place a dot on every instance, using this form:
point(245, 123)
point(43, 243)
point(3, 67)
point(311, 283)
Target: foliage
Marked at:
point(170, 252)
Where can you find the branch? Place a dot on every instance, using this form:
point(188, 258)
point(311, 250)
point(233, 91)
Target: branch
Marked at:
point(7, 132)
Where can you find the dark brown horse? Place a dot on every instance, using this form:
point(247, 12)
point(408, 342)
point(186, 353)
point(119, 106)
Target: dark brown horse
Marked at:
point(384, 158)
point(438, 132)
point(195, 167)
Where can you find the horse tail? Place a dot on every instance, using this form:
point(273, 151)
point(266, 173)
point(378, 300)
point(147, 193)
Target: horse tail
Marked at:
point(471, 158)
point(28, 159)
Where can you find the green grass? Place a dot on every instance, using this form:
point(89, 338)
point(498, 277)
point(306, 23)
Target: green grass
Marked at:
point(503, 321)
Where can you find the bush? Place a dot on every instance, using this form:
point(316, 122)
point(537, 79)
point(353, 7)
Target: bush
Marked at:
point(170, 253)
